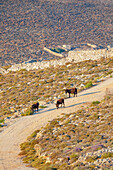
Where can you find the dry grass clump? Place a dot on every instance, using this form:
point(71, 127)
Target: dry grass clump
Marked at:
point(27, 112)
point(107, 155)
point(64, 140)
point(91, 158)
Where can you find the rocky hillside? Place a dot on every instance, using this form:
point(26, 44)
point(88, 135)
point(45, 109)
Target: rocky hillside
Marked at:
point(20, 89)
point(27, 26)
point(79, 140)
point(73, 56)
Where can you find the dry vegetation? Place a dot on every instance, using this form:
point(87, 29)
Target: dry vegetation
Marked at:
point(79, 140)
point(27, 26)
point(18, 90)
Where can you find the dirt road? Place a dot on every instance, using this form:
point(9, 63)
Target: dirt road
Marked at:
point(17, 133)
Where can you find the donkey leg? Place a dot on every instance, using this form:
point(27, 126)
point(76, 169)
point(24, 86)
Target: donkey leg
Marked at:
point(64, 104)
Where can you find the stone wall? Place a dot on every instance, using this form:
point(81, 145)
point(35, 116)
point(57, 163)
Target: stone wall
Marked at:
point(90, 54)
point(77, 56)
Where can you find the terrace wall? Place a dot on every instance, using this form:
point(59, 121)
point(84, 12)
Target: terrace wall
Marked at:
point(75, 56)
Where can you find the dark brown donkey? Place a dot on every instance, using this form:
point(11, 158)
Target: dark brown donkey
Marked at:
point(73, 90)
point(60, 101)
point(35, 106)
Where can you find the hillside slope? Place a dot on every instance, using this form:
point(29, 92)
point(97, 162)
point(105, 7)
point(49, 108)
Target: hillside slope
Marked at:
point(27, 26)
point(17, 133)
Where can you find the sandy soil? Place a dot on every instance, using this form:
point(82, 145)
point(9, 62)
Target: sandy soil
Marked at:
point(13, 135)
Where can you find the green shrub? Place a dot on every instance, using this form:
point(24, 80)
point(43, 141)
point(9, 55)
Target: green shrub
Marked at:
point(89, 84)
point(24, 145)
point(42, 107)
point(33, 134)
point(1, 120)
point(74, 156)
point(95, 102)
point(37, 162)
point(107, 155)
